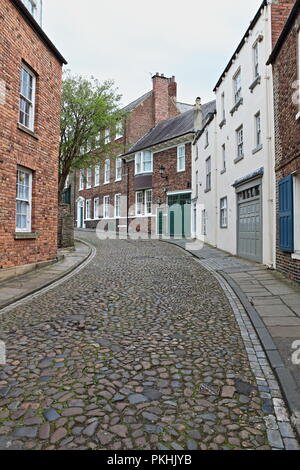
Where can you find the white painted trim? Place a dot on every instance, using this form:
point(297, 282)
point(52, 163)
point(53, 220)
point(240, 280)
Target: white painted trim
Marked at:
point(32, 114)
point(173, 193)
point(29, 226)
point(296, 255)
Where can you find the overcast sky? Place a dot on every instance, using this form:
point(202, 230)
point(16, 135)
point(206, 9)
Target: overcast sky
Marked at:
point(130, 40)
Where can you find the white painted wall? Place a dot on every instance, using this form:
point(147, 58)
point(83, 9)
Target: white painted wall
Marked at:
point(260, 100)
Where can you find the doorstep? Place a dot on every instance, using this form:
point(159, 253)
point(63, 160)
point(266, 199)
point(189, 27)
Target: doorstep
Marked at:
point(32, 278)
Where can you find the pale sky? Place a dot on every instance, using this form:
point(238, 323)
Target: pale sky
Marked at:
point(130, 40)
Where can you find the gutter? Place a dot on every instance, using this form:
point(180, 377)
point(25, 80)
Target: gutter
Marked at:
point(36, 27)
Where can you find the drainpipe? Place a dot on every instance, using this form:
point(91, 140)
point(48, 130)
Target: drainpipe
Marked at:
point(126, 163)
point(270, 131)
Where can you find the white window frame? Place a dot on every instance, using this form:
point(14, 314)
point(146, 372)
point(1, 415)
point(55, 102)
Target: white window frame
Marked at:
point(206, 139)
point(180, 158)
point(106, 204)
point(31, 102)
point(240, 142)
point(107, 136)
point(237, 86)
point(97, 176)
point(119, 169)
point(257, 119)
point(119, 130)
point(89, 178)
point(208, 174)
point(28, 200)
point(140, 162)
point(224, 212)
point(96, 205)
point(107, 171)
point(88, 204)
point(81, 180)
point(139, 205)
point(117, 206)
point(147, 201)
point(256, 59)
point(223, 106)
point(223, 157)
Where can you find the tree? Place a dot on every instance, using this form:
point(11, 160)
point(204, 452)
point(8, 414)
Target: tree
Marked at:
point(88, 108)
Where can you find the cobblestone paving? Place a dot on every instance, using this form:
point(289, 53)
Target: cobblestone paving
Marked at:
point(140, 350)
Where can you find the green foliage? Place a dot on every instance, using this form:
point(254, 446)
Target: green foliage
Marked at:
point(88, 108)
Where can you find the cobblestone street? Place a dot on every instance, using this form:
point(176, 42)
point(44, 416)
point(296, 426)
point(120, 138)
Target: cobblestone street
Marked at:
point(140, 350)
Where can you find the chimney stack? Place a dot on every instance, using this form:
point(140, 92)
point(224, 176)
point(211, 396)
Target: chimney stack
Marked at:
point(198, 115)
point(280, 11)
point(163, 89)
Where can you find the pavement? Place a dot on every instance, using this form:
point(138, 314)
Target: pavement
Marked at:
point(19, 287)
point(273, 305)
point(143, 348)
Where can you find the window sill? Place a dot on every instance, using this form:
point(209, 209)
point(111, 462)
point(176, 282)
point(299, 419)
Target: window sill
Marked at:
point(207, 145)
point(118, 180)
point(236, 106)
point(238, 159)
point(180, 171)
point(27, 131)
point(256, 82)
point(96, 185)
point(298, 116)
point(296, 255)
point(223, 171)
point(257, 149)
point(144, 173)
point(25, 236)
point(222, 123)
point(223, 228)
point(106, 182)
point(207, 190)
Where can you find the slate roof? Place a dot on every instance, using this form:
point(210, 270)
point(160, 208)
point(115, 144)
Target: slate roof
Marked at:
point(135, 103)
point(175, 127)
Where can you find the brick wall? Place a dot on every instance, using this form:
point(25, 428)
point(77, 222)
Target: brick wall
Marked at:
point(39, 153)
point(287, 130)
point(138, 122)
point(280, 12)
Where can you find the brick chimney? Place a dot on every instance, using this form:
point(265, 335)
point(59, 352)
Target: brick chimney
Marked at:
point(163, 89)
point(280, 13)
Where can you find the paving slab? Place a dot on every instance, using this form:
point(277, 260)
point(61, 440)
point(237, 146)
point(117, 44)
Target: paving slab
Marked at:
point(275, 311)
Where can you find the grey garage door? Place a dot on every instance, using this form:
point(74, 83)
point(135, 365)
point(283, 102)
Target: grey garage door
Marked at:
point(250, 223)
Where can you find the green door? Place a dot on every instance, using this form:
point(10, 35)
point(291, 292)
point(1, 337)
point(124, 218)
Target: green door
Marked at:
point(180, 215)
point(160, 222)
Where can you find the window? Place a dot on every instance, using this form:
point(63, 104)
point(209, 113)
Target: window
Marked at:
point(106, 207)
point(118, 169)
point(206, 139)
point(237, 87)
point(119, 130)
point(23, 200)
point(89, 178)
point(139, 203)
point(81, 180)
point(223, 158)
point(27, 98)
point(240, 143)
point(107, 172)
point(88, 209)
point(118, 205)
point(208, 174)
point(143, 162)
point(97, 141)
point(31, 5)
point(96, 208)
point(97, 175)
point(203, 222)
point(107, 136)
point(255, 60)
point(181, 158)
point(257, 130)
point(197, 183)
point(223, 213)
point(148, 201)
point(223, 106)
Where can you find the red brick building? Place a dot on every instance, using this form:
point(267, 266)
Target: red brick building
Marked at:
point(30, 92)
point(110, 178)
point(285, 59)
point(135, 192)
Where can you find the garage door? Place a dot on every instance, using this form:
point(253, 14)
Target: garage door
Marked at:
point(250, 223)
